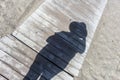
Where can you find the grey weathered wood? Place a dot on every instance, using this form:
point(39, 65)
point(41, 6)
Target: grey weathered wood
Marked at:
point(13, 63)
point(2, 77)
point(14, 53)
point(7, 71)
point(15, 66)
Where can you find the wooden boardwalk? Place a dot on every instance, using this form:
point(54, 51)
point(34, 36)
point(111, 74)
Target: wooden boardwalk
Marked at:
point(43, 46)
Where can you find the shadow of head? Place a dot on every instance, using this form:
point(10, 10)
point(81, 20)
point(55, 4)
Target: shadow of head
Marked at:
point(79, 29)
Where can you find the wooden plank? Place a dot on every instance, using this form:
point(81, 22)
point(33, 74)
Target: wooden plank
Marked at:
point(26, 40)
point(3, 77)
point(45, 23)
point(77, 8)
point(57, 19)
point(7, 71)
point(17, 55)
point(56, 78)
point(14, 43)
point(14, 64)
point(48, 13)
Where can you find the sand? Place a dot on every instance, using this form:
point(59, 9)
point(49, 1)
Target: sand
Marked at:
point(103, 59)
point(14, 12)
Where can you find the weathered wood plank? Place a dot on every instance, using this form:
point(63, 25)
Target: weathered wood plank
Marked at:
point(16, 66)
point(7, 71)
point(13, 63)
point(3, 77)
point(26, 40)
point(14, 53)
point(12, 42)
point(48, 12)
point(66, 17)
point(79, 7)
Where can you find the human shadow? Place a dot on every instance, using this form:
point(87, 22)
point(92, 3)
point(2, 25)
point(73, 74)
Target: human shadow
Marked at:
point(55, 56)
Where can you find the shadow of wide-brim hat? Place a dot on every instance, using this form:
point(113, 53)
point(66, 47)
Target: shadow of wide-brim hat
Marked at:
point(78, 28)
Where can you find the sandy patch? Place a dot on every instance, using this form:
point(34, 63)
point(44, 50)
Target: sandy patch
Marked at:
point(13, 12)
